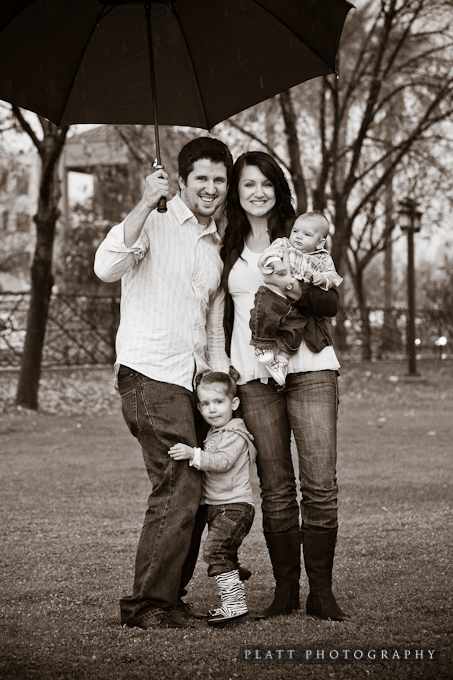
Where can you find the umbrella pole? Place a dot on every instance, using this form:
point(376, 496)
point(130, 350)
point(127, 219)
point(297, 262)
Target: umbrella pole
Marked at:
point(162, 206)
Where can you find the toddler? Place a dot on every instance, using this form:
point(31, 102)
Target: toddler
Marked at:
point(227, 493)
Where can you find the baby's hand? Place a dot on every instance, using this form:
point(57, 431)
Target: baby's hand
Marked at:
point(280, 269)
point(319, 279)
point(181, 452)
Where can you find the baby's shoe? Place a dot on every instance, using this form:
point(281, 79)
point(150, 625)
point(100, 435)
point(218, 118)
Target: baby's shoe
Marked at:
point(278, 370)
point(264, 356)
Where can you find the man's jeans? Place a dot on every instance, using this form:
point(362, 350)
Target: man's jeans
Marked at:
point(307, 406)
point(160, 415)
point(274, 321)
point(228, 525)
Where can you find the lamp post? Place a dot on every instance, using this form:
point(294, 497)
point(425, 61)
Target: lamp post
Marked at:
point(410, 222)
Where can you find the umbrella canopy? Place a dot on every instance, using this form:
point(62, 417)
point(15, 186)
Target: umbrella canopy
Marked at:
point(88, 61)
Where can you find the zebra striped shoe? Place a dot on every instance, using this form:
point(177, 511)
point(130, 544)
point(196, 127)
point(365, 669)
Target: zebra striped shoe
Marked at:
point(232, 597)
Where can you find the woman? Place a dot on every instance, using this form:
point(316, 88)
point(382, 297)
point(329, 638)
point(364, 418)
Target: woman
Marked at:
point(259, 210)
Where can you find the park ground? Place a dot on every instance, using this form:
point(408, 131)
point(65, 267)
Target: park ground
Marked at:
point(73, 491)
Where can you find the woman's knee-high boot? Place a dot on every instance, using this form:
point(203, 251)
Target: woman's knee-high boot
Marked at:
point(319, 550)
point(284, 551)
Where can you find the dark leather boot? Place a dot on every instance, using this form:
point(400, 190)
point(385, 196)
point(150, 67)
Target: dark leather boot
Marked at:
point(284, 551)
point(319, 550)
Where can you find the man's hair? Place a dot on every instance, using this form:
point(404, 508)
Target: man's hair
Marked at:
point(317, 213)
point(203, 147)
point(220, 382)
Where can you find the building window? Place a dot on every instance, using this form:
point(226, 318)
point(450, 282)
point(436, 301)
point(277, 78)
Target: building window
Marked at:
point(22, 222)
point(22, 183)
point(4, 220)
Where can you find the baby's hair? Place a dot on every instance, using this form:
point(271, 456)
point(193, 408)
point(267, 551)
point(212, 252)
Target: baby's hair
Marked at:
point(218, 381)
point(317, 213)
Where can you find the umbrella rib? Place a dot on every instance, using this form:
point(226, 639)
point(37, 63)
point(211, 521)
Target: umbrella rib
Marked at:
point(172, 9)
point(76, 70)
point(288, 28)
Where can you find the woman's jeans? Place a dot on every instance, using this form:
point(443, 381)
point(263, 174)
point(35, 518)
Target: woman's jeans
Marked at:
point(228, 525)
point(160, 415)
point(308, 406)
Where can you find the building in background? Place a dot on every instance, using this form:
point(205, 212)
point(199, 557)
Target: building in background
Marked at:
point(19, 183)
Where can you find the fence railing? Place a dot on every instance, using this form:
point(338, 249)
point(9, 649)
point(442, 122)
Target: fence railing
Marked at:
point(81, 330)
point(382, 334)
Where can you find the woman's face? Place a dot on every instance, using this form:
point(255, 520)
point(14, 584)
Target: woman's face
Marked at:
point(256, 192)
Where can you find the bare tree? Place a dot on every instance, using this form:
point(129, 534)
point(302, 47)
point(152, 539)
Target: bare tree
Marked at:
point(49, 148)
point(394, 55)
point(373, 131)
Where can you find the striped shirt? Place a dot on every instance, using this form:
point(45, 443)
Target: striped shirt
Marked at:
point(171, 305)
point(303, 265)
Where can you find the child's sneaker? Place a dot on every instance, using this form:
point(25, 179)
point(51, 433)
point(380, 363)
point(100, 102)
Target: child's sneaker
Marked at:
point(264, 356)
point(278, 370)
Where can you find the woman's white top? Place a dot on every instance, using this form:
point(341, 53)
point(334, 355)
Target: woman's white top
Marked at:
point(244, 280)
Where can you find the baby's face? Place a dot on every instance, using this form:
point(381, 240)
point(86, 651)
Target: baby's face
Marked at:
point(306, 233)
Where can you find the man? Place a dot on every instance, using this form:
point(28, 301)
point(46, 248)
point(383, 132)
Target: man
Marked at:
point(171, 329)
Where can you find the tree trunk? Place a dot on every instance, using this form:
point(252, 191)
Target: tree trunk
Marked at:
point(342, 234)
point(38, 311)
point(364, 317)
point(389, 331)
point(41, 270)
point(294, 152)
point(390, 337)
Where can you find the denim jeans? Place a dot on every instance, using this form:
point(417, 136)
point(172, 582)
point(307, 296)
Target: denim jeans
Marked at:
point(228, 525)
point(160, 415)
point(274, 321)
point(308, 406)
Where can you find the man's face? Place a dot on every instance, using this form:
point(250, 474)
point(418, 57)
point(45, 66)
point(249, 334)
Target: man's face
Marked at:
point(205, 188)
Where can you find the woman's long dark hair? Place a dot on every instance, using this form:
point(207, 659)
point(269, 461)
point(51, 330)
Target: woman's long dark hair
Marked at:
point(238, 225)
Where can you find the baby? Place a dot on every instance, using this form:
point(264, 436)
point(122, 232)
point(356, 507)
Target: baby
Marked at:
point(273, 320)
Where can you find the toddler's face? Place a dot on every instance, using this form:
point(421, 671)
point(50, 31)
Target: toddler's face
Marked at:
point(215, 406)
point(306, 234)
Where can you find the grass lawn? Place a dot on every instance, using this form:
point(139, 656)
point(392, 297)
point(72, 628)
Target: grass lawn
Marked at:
point(73, 492)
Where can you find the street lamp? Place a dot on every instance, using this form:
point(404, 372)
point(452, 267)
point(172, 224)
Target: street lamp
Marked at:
point(410, 222)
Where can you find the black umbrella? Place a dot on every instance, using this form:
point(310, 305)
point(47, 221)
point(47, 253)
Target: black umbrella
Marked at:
point(176, 62)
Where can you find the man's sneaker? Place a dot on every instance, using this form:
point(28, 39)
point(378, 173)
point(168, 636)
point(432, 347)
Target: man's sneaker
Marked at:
point(264, 356)
point(187, 611)
point(278, 370)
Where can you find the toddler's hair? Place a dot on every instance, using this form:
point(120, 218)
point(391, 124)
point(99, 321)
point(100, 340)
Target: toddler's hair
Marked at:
point(218, 381)
point(317, 213)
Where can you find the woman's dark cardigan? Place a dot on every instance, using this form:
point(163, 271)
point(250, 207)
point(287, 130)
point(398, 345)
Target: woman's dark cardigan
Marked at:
point(316, 304)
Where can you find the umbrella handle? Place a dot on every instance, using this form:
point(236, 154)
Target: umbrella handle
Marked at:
point(162, 205)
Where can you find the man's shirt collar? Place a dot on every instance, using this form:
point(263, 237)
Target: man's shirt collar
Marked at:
point(183, 213)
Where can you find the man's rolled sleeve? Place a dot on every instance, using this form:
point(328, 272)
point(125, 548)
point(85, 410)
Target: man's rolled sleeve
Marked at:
point(113, 258)
point(216, 354)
